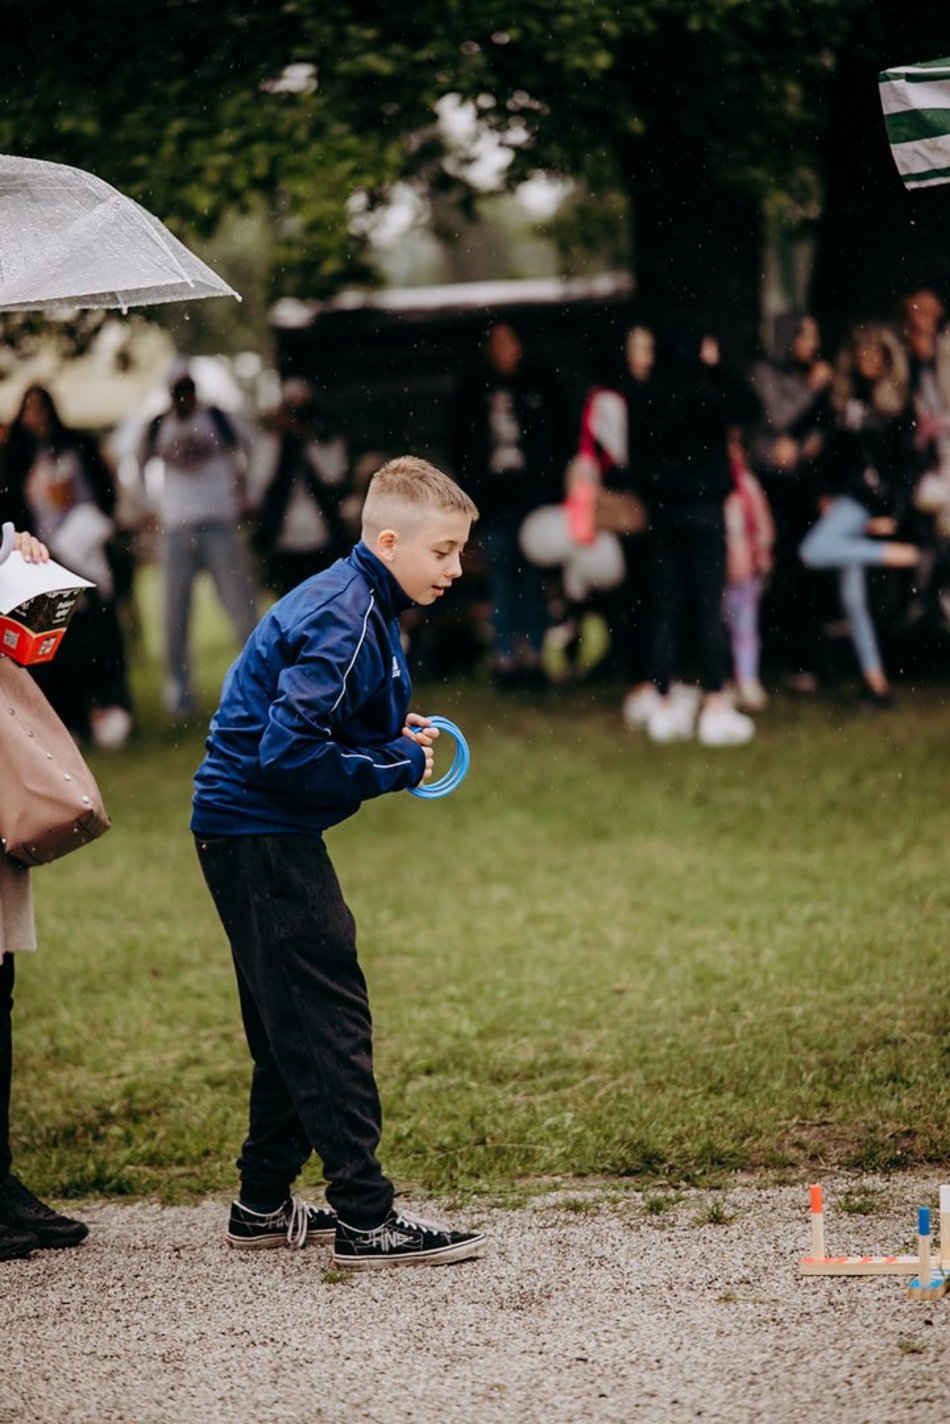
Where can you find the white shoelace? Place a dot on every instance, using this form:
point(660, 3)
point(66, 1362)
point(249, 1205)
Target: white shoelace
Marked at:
point(415, 1222)
point(298, 1224)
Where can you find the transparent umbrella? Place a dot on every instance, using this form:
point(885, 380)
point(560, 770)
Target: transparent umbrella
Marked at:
point(68, 239)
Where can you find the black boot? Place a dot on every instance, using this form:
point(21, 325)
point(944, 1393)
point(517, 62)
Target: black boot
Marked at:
point(22, 1212)
point(14, 1243)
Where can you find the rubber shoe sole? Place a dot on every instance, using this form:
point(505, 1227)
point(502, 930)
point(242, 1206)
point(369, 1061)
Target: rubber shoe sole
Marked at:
point(63, 1243)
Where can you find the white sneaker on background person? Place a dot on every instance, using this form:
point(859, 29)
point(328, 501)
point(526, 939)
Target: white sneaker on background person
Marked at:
point(110, 727)
point(722, 726)
point(672, 720)
point(751, 696)
point(687, 696)
point(639, 705)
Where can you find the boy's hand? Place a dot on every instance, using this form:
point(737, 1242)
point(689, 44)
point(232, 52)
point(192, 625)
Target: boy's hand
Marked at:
point(420, 731)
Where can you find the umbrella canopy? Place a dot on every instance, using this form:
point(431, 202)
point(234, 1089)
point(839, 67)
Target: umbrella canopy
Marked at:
point(67, 239)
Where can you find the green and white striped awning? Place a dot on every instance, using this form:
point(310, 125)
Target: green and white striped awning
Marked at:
point(916, 104)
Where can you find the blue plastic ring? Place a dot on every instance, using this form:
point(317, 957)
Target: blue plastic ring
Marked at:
point(457, 771)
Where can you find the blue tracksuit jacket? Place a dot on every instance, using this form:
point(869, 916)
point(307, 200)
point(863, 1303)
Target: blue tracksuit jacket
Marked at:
point(311, 712)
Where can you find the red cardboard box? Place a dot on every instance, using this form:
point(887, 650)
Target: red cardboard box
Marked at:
point(36, 604)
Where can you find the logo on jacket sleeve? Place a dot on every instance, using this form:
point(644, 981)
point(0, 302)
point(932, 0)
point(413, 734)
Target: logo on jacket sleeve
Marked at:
point(396, 671)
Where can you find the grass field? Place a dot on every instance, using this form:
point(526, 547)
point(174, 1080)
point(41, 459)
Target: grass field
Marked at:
point(598, 957)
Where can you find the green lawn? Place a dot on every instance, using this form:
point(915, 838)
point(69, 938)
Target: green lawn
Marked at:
point(597, 957)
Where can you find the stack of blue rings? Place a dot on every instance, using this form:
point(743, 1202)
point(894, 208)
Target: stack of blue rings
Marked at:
point(457, 771)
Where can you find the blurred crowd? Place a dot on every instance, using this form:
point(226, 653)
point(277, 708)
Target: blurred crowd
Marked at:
point(795, 516)
point(713, 523)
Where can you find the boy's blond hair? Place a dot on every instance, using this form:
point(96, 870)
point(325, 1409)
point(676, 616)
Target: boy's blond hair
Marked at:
point(405, 489)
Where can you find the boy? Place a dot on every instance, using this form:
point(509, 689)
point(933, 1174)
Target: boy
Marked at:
point(313, 721)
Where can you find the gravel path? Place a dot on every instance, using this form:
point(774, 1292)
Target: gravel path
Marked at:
point(588, 1307)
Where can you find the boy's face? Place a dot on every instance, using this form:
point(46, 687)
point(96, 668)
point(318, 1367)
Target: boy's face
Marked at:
point(426, 560)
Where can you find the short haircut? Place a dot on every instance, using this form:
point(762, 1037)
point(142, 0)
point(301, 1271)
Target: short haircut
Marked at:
point(405, 489)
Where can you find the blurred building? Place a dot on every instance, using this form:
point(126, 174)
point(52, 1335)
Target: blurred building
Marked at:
point(387, 361)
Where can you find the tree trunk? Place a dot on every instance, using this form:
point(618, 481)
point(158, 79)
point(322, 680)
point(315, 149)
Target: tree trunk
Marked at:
point(876, 239)
point(697, 245)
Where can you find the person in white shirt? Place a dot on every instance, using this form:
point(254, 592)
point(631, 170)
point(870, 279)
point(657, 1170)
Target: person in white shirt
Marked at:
point(199, 508)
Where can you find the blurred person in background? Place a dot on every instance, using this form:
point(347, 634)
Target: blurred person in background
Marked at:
point(55, 481)
point(793, 389)
point(26, 1223)
point(351, 503)
point(615, 436)
point(867, 471)
point(200, 505)
point(750, 540)
point(693, 404)
point(927, 347)
point(508, 448)
point(298, 479)
point(923, 329)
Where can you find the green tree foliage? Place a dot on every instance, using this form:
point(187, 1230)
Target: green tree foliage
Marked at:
point(696, 109)
point(191, 106)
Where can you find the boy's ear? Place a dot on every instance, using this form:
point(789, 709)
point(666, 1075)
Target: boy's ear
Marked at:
point(386, 542)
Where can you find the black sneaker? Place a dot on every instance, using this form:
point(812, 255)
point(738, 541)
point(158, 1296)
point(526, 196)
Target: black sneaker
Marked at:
point(402, 1241)
point(22, 1211)
point(295, 1224)
point(871, 701)
point(14, 1243)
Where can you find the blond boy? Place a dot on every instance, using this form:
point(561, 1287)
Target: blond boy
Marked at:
point(313, 721)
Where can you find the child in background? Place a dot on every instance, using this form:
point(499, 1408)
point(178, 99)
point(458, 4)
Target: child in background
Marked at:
point(750, 540)
point(313, 721)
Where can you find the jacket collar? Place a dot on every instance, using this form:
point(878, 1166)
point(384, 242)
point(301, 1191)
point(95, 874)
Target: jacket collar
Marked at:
point(392, 598)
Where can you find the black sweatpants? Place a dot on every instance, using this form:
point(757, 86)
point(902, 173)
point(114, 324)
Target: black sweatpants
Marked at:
point(688, 549)
point(307, 1020)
